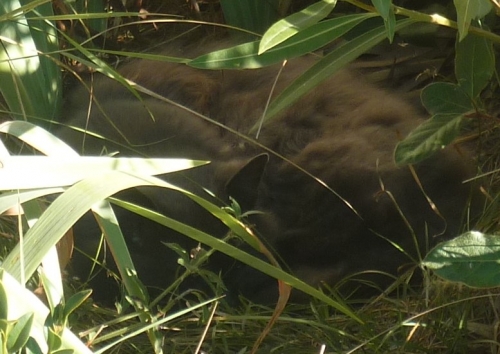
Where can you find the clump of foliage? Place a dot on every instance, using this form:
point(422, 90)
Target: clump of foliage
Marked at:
point(36, 44)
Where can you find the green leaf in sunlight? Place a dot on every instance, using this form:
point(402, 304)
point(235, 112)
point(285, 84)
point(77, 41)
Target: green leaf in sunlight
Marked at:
point(245, 56)
point(431, 136)
point(31, 82)
point(472, 259)
point(20, 332)
point(291, 25)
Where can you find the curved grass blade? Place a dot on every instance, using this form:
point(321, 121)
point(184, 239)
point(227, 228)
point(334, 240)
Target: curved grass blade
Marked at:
point(326, 67)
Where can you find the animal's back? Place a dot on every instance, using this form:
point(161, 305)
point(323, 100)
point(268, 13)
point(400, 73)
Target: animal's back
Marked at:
point(343, 133)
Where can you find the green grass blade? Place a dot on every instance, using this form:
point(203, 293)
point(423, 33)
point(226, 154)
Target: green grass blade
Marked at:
point(326, 67)
point(30, 84)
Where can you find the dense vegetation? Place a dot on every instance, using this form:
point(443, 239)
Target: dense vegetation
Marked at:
point(46, 45)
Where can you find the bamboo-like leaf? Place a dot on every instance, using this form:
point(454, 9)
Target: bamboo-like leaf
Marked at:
point(326, 67)
point(245, 56)
point(291, 25)
point(30, 83)
point(18, 171)
point(37, 137)
point(431, 136)
point(63, 213)
point(11, 199)
point(385, 9)
point(114, 237)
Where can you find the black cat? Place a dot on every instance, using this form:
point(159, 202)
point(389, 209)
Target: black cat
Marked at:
point(379, 217)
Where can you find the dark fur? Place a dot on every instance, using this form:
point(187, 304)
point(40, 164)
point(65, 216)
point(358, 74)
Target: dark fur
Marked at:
point(343, 132)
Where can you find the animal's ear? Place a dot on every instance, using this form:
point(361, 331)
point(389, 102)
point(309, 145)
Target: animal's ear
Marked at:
point(244, 184)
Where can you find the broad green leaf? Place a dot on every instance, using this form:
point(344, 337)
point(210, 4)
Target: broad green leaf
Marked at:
point(385, 9)
point(472, 258)
point(20, 332)
point(468, 10)
point(291, 25)
point(429, 137)
point(474, 64)
point(326, 67)
point(444, 97)
point(245, 56)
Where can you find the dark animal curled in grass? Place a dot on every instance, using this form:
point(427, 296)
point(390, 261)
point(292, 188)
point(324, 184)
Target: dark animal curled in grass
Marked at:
point(343, 132)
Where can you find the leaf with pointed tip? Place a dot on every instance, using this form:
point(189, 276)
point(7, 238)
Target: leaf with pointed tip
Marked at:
point(244, 56)
point(385, 9)
point(326, 67)
point(293, 24)
point(429, 137)
point(20, 332)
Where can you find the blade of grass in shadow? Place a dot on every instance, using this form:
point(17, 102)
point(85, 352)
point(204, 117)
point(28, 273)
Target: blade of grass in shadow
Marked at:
point(234, 252)
point(293, 24)
point(326, 67)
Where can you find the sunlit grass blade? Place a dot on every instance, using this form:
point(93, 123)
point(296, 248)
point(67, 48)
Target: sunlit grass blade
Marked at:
point(18, 171)
point(21, 301)
point(31, 83)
